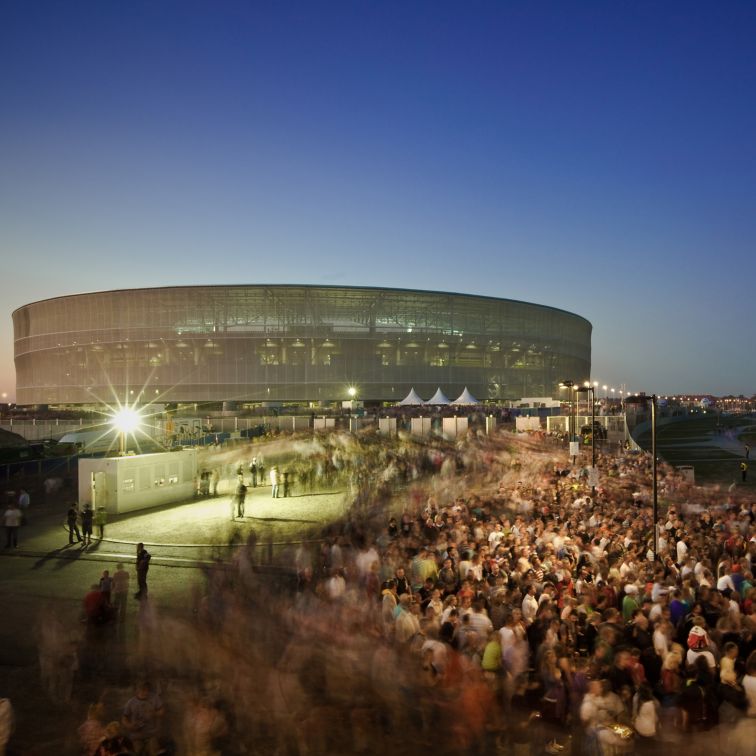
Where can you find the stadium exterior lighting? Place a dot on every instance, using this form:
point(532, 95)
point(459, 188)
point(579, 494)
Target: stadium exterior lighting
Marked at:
point(126, 421)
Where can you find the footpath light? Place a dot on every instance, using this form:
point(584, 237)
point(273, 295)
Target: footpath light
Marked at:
point(126, 421)
point(644, 400)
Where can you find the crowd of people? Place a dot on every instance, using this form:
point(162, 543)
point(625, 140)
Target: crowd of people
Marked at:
point(479, 596)
point(534, 593)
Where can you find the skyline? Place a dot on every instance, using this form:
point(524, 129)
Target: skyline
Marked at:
point(597, 160)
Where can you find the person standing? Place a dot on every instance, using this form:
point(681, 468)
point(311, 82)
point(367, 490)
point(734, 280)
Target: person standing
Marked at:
point(744, 471)
point(260, 472)
point(120, 591)
point(142, 568)
point(11, 520)
point(253, 471)
point(72, 520)
point(100, 520)
point(87, 520)
point(240, 496)
point(286, 484)
point(274, 481)
point(205, 483)
point(23, 505)
point(106, 586)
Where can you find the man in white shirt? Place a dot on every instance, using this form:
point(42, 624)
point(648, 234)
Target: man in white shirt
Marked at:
point(529, 605)
point(12, 521)
point(682, 551)
point(495, 536)
point(336, 585)
point(725, 582)
point(479, 620)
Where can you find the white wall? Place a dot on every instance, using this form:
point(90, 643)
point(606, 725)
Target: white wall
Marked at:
point(420, 426)
point(527, 423)
point(387, 426)
point(453, 427)
point(127, 484)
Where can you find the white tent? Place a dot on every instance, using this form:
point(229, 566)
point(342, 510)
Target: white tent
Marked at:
point(465, 398)
point(438, 398)
point(412, 398)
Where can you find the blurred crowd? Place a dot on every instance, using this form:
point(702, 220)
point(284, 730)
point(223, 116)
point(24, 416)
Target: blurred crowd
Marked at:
point(478, 597)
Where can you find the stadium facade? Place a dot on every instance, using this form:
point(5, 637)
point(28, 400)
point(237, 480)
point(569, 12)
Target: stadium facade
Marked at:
point(260, 343)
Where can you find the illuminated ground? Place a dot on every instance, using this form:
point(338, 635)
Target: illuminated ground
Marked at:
point(46, 574)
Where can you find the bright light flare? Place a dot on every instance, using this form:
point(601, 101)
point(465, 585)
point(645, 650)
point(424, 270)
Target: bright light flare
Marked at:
point(126, 420)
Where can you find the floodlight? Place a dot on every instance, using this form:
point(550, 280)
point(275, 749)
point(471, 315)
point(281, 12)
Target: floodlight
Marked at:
point(126, 420)
point(352, 391)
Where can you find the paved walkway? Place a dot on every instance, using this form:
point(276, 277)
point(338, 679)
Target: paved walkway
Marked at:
point(186, 531)
point(46, 575)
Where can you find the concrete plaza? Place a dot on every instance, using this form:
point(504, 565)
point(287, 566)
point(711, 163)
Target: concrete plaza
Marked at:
point(47, 575)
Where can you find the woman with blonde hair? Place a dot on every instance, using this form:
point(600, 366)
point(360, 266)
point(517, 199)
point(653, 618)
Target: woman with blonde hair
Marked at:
point(114, 742)
point(671, 677)
point(92, 730)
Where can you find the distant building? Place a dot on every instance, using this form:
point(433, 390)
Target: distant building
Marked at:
point(291, 343)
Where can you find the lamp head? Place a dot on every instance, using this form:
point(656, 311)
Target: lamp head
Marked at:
point(126, 420)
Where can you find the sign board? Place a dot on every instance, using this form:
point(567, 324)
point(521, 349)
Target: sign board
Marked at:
point(454, 426)
point(593, 477)
point(420, 426)
point(523, 423)
point(387, 426)
point(574, 448)
point(688, 472)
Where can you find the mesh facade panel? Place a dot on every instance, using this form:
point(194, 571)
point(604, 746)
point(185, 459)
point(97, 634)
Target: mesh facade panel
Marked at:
point(291, 343)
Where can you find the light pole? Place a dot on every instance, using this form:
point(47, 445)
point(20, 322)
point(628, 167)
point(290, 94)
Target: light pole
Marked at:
point(588, 389)
point(643, 399)
point(569, 385)
point(653, 454)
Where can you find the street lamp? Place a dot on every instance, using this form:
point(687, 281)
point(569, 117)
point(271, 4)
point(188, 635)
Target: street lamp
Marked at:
point(126, 421)
point(569, 385)
point(588, 389)
point(643, 399)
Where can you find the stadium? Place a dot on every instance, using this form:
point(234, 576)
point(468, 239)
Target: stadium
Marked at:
point(281, 343)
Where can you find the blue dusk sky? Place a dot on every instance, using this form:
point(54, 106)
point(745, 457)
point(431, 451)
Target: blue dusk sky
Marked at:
point(599, 157)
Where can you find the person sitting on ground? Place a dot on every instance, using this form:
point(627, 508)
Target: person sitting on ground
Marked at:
point(142, 717)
